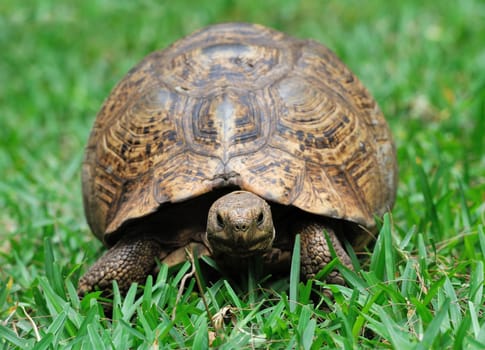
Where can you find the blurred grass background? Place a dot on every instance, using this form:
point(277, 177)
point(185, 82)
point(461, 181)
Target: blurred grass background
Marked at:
point(424, 61)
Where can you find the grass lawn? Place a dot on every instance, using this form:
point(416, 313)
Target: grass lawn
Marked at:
point(422, 285)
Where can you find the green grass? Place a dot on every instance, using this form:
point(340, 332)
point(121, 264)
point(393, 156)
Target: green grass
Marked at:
point(422, 285)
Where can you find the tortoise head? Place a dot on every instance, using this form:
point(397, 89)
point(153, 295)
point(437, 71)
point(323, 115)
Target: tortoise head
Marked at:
point(240, 224)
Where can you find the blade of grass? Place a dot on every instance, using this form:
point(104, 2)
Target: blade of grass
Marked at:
point(353, 257)
point(465, 211)
point(295, 274)
point(305, 291)
point(198, 272)
point(54, 302)
point(481, 240)
point(408, 278)
point(46, 342)
point(13, 338)
point(477, 281)
point(433, 290)
point(454, 307)
point(360, 319)
point(148, 332)
point(305, 327)
point(474, 319)
point(422, 259)
point(201, 340)
point(57, 324)
point(129, 304)
point(431, 333)
point(4, 292)
point(147, 293)
point(275, 315)
point(52, 270)
point(309, 334)
point(95, 339)
point(407, 238)
point(389, 329)
point(354, 280)
point(252, 283)
point(89, 319)
point(431, 210)
point(422, 309)
point(72, 295)
point(461, 333)
point(377, 260)
point(232, 294)
point(129, 329)
point(389, 257)
point(323, 273)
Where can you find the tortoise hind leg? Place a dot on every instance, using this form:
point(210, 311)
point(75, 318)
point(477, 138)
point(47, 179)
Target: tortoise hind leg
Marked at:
point(126, 262)
point(315, 252)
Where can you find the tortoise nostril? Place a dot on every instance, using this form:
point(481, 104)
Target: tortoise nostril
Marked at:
point(241, 227)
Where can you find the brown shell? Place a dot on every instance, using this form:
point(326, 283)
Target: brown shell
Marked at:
point(244, 105)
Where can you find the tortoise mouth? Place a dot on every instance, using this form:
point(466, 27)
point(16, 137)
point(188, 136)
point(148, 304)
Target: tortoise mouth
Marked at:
point(239, 247)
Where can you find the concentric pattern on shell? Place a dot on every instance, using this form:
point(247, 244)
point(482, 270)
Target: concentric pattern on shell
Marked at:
point(243, 105)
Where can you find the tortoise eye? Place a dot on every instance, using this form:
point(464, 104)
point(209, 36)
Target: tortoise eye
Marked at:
point(260, 219)
point(220, 221)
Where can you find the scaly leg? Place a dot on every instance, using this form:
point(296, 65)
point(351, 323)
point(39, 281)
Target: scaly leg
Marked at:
point(126, 262)
point(315, 252)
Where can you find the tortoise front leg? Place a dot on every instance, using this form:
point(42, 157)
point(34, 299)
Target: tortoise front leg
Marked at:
point(315, 252)
point(126, 262)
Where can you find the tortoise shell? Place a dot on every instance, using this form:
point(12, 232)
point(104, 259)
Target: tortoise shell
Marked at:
point(239, 105)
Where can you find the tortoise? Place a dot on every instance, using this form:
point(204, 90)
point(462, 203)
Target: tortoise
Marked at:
point(230, 142)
